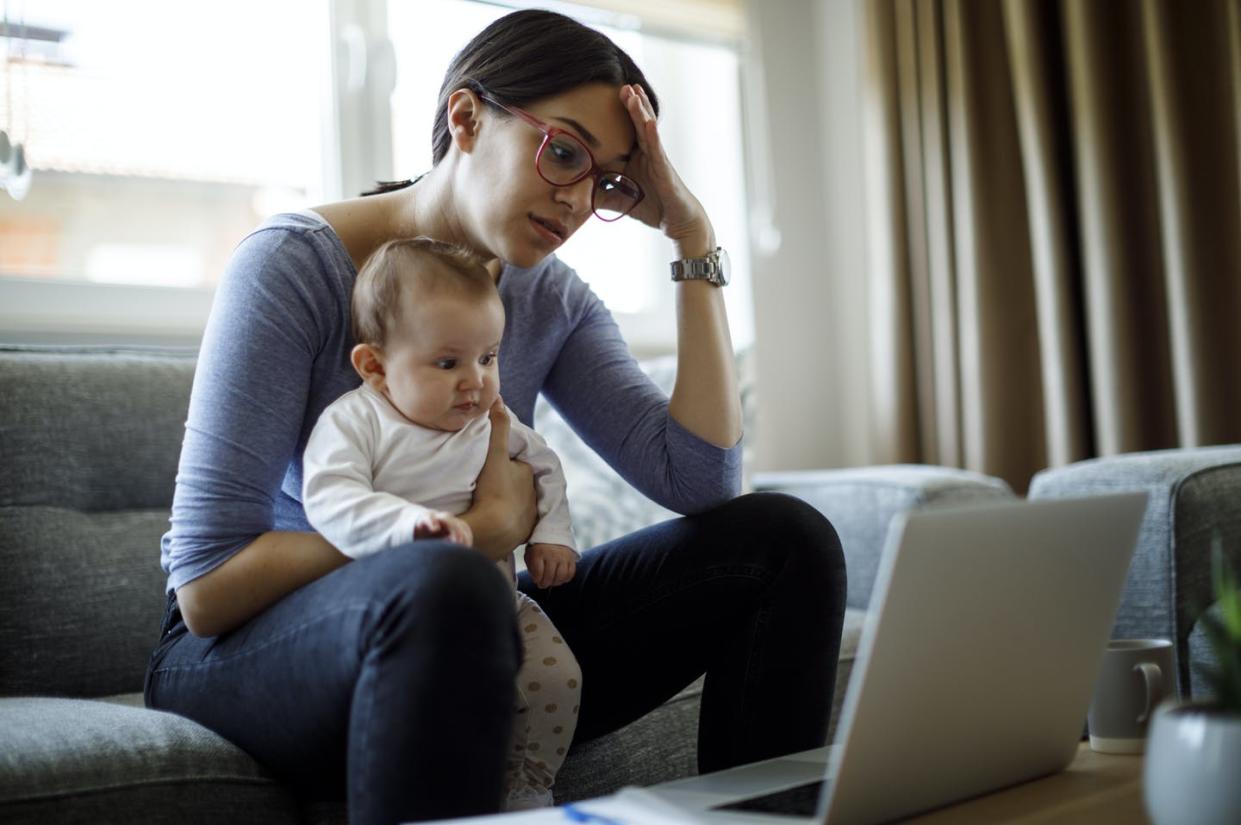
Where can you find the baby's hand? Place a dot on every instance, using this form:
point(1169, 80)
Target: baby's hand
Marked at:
point(438, 524)
point(550, 564)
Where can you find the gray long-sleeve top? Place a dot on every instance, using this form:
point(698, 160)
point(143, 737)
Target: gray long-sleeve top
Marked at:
point(276, 352)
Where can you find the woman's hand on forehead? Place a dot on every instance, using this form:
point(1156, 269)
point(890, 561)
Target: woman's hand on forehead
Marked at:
point(669, 205)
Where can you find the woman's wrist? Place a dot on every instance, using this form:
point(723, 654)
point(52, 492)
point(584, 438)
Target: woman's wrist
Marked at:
point(696, 241)
point(491, 529)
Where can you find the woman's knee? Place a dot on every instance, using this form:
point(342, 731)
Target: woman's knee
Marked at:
point(786, 530)
point(441, 593)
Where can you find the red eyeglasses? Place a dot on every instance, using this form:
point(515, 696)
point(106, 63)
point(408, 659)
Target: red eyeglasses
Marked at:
point(563, 160)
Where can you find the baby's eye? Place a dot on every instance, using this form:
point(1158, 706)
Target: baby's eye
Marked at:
point(487, 359)
point(446, 363)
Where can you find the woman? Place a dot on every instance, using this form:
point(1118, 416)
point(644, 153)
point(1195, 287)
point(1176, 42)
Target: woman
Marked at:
point(390, 679)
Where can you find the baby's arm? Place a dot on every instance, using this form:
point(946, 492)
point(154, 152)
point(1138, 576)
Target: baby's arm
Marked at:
point(551, 555)
point(341, 502)
point(554, 525)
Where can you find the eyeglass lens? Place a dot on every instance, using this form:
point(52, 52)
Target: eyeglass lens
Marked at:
point(564, 159)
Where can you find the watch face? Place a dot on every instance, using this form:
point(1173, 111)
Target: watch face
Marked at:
point(725, 266)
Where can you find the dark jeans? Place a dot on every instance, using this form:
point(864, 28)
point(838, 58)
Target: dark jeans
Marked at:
point(393, 676)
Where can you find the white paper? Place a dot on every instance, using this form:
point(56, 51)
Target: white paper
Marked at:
point(628, 806)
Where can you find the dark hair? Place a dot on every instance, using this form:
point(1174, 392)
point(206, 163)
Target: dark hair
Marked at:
point(376, 301)
point(527, 56)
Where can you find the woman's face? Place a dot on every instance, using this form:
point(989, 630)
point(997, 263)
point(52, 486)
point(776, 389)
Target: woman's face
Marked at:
point(513, 212)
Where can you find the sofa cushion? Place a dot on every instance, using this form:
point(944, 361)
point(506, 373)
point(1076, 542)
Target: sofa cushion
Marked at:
point(80, 599)
point(104, 760)
point(658, 747)
point(91, 430)
point(89, 439)
point(69, 760)
point(861, 502)
point(602, 504)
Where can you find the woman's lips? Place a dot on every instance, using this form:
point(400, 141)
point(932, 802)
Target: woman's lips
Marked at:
point(545, 231)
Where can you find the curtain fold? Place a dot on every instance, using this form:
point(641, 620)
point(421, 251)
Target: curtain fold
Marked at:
point(1054, 229)
point(1040, 94)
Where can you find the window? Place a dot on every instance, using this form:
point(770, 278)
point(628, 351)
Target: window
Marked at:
point(161, 133)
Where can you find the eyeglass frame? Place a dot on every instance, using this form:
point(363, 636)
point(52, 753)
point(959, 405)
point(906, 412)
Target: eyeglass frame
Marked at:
point(594, 171)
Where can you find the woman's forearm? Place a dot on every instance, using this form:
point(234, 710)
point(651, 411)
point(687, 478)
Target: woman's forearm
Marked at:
point(269, 568)
point(705, 399)
point(495, 536)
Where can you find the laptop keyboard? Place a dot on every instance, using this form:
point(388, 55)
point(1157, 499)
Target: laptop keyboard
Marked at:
point(801, 800)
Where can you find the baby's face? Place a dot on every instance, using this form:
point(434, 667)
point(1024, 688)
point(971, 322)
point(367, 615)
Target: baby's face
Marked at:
point(441, 369)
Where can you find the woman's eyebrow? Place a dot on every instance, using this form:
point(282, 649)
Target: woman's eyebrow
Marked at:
point(582, 130)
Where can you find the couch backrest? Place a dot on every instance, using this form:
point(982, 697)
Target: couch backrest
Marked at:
point(89, 441)
point(602, 504)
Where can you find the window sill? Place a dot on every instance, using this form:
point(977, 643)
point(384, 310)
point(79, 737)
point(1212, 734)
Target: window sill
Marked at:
point(56, 311)
point(36, 311)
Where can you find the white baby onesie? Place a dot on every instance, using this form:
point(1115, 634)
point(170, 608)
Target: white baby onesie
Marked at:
point(369, 474)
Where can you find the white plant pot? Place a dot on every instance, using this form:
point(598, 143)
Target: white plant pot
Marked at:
point(1193, 763)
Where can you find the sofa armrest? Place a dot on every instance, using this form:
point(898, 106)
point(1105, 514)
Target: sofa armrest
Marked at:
point(860, 504)
point(1193, 495)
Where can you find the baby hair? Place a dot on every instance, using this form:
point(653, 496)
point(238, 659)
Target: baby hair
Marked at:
point(421, 264)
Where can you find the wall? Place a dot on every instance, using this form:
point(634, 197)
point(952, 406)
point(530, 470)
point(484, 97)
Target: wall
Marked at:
point(803, 110)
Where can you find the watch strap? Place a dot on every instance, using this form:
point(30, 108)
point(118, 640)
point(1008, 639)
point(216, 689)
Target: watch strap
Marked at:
point(706, 268)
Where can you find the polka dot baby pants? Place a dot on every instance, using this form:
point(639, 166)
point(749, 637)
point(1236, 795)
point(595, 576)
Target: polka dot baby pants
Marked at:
point(549, 689)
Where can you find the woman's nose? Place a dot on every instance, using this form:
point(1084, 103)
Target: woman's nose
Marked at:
point(577, 195)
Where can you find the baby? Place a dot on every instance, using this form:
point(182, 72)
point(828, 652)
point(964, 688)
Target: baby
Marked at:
point(396, 460)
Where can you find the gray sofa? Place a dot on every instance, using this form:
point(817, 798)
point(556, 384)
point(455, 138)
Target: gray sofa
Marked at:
point(88, 450)
point(89, 441)
point(1194, 499)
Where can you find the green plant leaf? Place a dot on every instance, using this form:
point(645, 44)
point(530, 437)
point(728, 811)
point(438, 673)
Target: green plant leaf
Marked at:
point(1227, 595)
point(1225, 679)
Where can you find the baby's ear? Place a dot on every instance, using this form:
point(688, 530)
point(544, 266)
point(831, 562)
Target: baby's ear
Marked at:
point(367, 361)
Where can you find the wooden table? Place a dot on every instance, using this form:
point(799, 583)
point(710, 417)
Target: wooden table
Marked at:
point(1096, 789)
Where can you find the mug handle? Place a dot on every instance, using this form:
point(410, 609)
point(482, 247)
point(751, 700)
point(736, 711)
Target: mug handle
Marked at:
point(1153, 676)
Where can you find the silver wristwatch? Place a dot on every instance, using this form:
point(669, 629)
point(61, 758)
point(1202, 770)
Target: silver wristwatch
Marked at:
point(712, 267)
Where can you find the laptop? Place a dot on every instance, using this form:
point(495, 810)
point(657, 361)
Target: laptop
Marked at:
point(974, 671)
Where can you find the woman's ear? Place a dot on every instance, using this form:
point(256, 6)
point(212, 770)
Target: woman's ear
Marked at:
point(368, 362)
point(464, 110)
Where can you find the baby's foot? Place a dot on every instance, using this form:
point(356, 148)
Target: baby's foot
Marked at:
point(528, 798)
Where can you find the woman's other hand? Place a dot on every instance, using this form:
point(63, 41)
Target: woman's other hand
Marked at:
point(550, 564)
point(504, 510)
point(668, 205)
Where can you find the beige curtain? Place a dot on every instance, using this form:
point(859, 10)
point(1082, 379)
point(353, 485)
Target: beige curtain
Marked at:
point(1054, 219)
